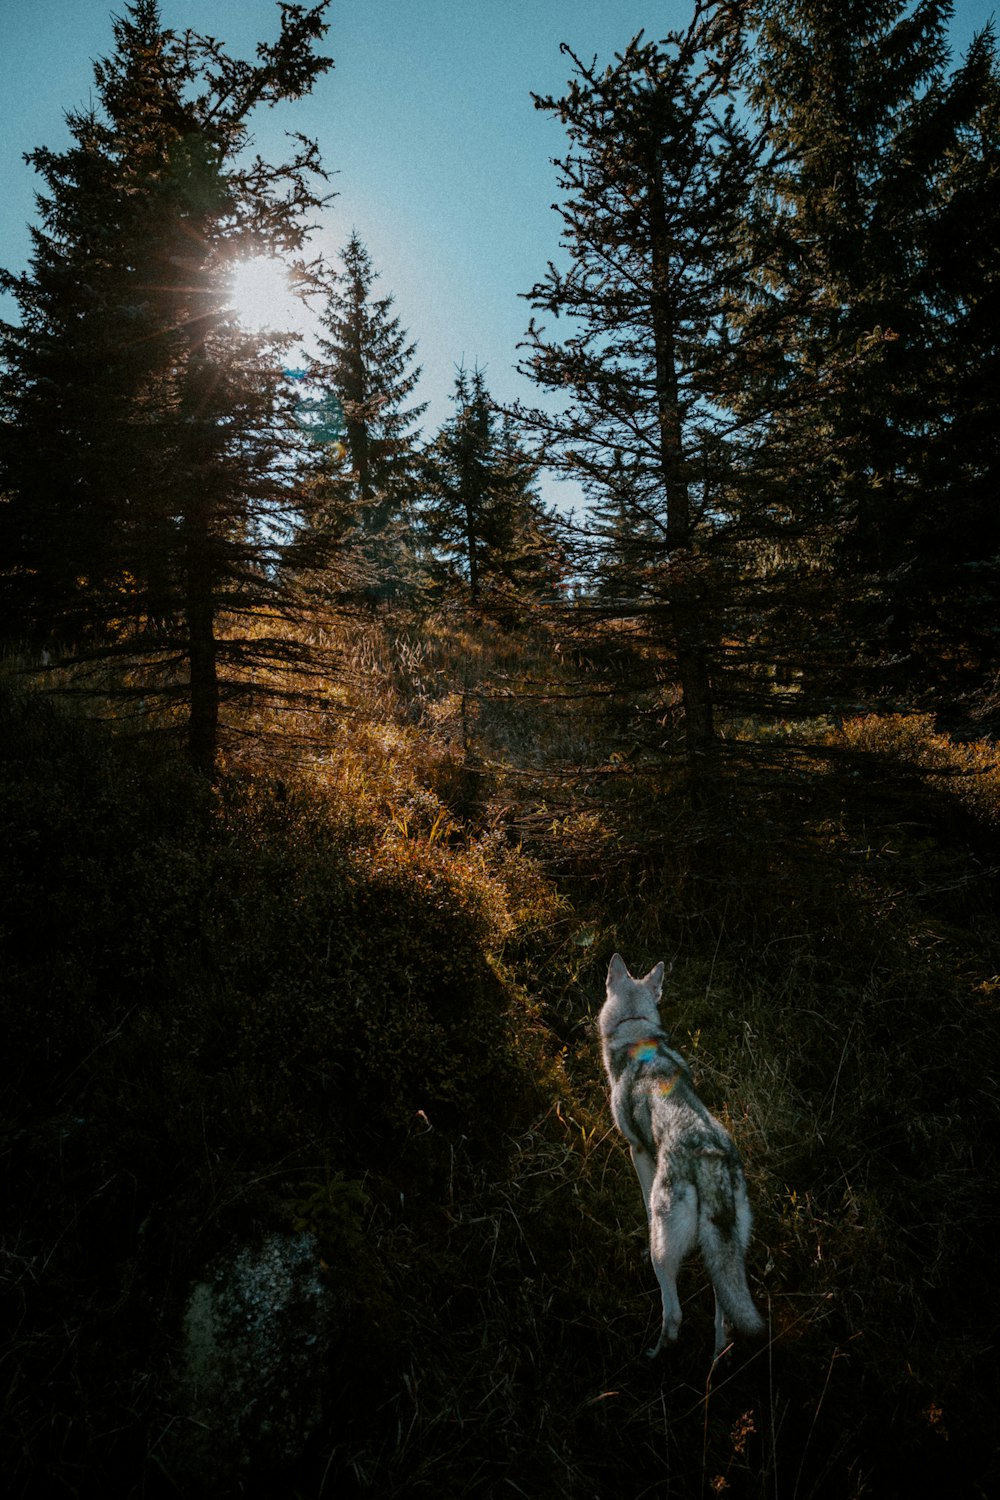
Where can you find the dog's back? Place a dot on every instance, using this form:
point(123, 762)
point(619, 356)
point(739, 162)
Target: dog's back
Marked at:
point(688, 1168)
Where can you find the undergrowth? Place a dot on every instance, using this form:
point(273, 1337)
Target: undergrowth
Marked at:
point(350, 992)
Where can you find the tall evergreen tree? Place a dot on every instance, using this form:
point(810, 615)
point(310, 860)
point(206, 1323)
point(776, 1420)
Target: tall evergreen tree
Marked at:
point(365, 491)
point(482, 518)
point(148, 447)
point(877, 316)
point(655, 185)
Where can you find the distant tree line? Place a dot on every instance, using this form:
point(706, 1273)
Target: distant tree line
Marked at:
point(396, 517)
point(776, 371)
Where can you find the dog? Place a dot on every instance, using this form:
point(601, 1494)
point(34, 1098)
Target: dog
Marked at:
point(688, 1168)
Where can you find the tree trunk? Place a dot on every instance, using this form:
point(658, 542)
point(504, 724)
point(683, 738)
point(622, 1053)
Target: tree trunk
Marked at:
point(687, 608)
point(687, 613)
point(203, 723)
point(472, 553)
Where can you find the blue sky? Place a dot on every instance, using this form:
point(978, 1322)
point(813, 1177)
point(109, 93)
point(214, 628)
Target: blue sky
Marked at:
point(442, 164)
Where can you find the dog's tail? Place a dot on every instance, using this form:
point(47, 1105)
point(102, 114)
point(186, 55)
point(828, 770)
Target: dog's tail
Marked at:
point(724, 1221)
point(729, 1279)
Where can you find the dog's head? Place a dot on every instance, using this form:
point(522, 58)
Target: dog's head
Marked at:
point(629, 998)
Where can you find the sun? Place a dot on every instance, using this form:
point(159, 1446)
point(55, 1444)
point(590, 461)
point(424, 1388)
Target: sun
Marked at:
point(261, 296)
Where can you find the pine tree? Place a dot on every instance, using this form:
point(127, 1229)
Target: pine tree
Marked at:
point(482, 517)
point(656, 184)
point(148, 448)
point(878, 308)
point(86, 360)
point(365, 492)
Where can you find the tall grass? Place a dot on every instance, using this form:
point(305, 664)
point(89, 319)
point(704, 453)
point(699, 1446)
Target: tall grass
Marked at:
point(351, 991)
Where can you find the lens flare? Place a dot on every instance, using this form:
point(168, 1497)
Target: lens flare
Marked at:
point(261, 297)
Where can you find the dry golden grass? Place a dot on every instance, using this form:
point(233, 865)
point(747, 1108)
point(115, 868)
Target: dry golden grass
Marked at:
point(452, 816)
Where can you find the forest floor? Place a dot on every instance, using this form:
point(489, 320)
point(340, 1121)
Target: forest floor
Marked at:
point(349, 991)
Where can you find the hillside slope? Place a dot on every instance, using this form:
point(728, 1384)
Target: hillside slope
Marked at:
point(249, 1012)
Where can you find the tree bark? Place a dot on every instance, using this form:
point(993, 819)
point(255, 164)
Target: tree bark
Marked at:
point(203, 722)
point(687, 610)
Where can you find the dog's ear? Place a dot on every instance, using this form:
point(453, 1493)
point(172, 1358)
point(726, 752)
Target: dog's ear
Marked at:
point(617, 970)
point(654, 981)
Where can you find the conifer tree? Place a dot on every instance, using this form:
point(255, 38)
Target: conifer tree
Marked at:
point(365, 491)
point(656, 183)
point(482, 518)
point(876, 319)
point(148, 448)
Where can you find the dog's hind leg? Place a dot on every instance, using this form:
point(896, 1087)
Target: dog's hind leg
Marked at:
point(645, 1170)
point(673, 1233)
